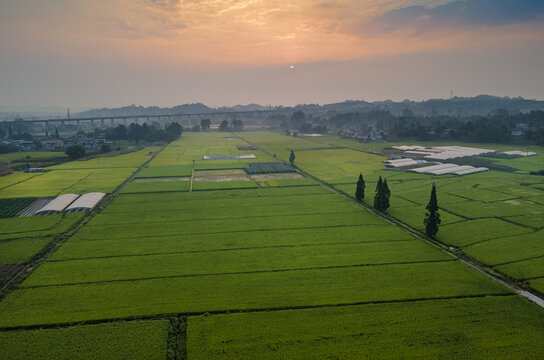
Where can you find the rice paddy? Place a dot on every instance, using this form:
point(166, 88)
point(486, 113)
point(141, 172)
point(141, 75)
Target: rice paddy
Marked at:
point(281, 267)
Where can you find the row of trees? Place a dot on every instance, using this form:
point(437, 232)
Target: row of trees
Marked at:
point(236, 125)
point(496, 127)
point(136, 132)
point(381, 202)
point(382, 195)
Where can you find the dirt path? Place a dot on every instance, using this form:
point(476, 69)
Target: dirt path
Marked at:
point(192, 177)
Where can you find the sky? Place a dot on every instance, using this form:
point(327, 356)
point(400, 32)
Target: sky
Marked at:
point(109, 53)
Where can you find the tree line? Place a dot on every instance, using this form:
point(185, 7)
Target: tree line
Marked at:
point(497, 127)
point(136, 132)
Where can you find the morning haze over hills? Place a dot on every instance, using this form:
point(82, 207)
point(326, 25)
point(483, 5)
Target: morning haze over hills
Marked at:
point(458, 106)
point(299, 226)
point(481, 105)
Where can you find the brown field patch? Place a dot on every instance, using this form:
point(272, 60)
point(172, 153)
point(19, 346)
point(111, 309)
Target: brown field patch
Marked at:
point(278, 176)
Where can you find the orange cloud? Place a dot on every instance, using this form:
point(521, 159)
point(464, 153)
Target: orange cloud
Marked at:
point(245, 32)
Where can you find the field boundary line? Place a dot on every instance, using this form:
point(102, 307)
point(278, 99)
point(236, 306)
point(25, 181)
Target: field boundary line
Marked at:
point(163, 316)
point(219, 206)
point(238, 273)
point(520, 260)
point(22, 181)
point(533, 278)
point(517, 224)
point(192, 177)
point(495, 238)
point(241, 231)
point(230, 249)
point(327, 212)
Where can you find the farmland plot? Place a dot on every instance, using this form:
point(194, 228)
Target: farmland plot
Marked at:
point(376, 331)
point(20, 227)
point(77, 181)
point(130, 160)
point(80, 248)
point(96, 175)
point(127, 340)
point(489, 207)
point(311, 272)
point(228, 292)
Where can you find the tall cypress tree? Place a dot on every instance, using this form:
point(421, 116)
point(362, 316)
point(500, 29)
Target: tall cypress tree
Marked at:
point(360, 190)
point(432, 217)
point(292, 157)
point(378, 195)
point(386, 193)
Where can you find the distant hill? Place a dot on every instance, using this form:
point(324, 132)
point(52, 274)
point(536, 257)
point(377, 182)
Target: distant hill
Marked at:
point(250, 107)
point(457, 106)
point(131, 110)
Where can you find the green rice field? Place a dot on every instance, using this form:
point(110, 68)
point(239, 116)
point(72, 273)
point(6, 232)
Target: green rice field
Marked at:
point(235, 266)
point(124, 340)
point(484, 215)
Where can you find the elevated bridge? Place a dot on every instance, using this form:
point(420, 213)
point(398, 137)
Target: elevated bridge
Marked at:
point(112, 120)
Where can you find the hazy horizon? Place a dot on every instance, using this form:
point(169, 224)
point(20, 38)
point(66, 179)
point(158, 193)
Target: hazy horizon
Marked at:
point(114, 53)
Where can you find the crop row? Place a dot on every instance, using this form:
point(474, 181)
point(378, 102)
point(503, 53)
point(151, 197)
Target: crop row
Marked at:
point(58, 304)
point(233, 261)
point(78, 247)
point(231, 225)
point(142, 204)
point(11, 207)
point(223, 210)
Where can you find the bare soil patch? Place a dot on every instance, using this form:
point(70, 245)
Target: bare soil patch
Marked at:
point(221, 175)
point(279, 176)
point(220, 178)
point(226, 172)
point(246, 148)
